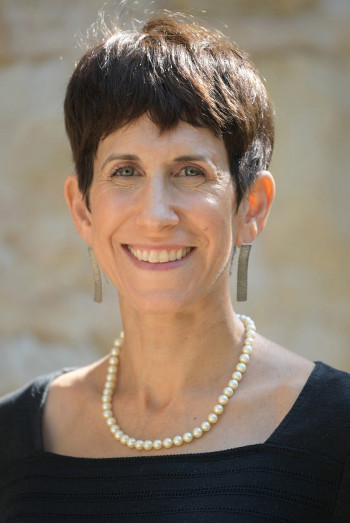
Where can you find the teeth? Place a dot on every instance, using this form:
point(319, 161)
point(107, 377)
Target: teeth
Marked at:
point(153, 257)
point(163, 256)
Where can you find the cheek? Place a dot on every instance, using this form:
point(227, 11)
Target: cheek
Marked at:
point(107, 209)
point(218, 213)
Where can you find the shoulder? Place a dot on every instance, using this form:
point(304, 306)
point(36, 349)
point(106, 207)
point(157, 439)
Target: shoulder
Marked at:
point(319, 420)
point(338, 378)
point(331, 387)
point(314, 399)
point(327, 394)
point(23, 401)
point(20, 419)
point(71, 398)
point(313, 380)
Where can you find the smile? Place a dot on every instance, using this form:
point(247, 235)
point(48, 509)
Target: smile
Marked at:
point(159, 256)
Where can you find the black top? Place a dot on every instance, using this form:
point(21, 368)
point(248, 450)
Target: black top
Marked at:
point(300, 474)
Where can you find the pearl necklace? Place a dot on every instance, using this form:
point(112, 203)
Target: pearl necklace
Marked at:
point(197, 432)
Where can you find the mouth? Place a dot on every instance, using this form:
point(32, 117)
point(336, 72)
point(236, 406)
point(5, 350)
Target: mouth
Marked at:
point(159, 255)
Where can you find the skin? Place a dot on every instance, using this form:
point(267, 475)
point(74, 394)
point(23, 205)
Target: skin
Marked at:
point(182, 337)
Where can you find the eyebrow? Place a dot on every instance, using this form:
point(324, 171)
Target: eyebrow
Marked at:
point(114, 156)
point(196, 158)
point(191, 158)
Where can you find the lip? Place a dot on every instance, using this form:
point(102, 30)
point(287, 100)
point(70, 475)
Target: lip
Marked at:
point(161, 266)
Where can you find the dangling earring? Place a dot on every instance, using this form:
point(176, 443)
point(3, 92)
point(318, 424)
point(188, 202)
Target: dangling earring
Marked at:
point(242, 272)
point(97, 275)
point(232, 258)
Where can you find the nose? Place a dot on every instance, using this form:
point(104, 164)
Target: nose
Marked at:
point(157, 206)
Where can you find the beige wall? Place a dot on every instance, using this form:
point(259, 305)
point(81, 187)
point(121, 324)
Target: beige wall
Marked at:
point(299, 285)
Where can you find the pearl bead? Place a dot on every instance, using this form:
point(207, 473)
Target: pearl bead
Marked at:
point(106, 399)
point(218, 409)
point(113, 360)
point(106, 406)
point(237, 376)
point(247, 349)
point(107, 413)
point(157, 444)
point(121, 335)
point(228, 392)
point(148, 444)
point(212, 418)
point(197, 432)
point(109, 385)
point(249, 341)
point(233, 384)
point(117, 343)
point(223, 399)
point(244, 358)
point(115, 351)
point(250, 333)
point(205, 426)
point(177, 440)
point(187, 437)
point(139, 444)
point(124, 439)
point(110, 421)
point(167, 443)
point(131, 443)
point(114, 428)
point(107, 392)
point(112, 369)
point(240, 367)
point(118, 434)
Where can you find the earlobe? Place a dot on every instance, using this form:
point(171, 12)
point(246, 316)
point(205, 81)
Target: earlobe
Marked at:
point(256, 208)
point(78, 209)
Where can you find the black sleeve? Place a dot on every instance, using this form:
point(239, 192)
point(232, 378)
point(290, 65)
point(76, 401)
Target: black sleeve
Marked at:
point(20, 421)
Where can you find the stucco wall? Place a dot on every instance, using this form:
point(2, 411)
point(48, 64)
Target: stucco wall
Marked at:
point(299, 284)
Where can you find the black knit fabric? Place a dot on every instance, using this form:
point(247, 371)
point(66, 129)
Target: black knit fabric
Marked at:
point(300, 474)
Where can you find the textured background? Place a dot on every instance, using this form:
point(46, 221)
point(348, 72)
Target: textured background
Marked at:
point(299, 284)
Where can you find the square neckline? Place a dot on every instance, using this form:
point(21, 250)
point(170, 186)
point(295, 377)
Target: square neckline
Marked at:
point(216, 454)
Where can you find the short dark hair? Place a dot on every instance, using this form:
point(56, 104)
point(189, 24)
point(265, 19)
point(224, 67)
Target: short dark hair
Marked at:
point(171, 70)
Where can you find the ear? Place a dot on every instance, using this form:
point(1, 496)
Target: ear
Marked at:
point(78, 209)
point(255, 208)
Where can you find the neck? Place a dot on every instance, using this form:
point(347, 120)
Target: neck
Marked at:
point(172, 355)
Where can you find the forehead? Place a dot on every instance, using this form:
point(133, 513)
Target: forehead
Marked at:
point(143, 138)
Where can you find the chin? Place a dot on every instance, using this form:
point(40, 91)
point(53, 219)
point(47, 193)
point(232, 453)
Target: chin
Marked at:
point(161, 303)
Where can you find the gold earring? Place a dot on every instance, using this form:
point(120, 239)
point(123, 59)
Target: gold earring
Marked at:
point(242, 271)
point(96, 274)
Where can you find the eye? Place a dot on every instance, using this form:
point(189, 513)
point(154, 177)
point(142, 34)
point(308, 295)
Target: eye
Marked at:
point(125, 171)
point(191, 171)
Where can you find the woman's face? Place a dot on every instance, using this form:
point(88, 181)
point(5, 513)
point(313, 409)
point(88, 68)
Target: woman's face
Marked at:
point(163, 218)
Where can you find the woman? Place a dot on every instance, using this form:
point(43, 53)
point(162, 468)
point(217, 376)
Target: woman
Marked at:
point(193, 416)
